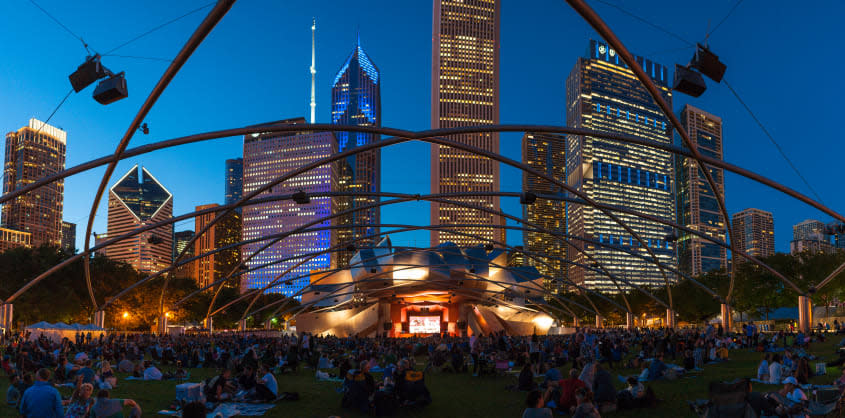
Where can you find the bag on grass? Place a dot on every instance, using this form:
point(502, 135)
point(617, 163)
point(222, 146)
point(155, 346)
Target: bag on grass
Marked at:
point(821, 369)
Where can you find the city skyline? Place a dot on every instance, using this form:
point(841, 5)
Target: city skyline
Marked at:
point(735, 202)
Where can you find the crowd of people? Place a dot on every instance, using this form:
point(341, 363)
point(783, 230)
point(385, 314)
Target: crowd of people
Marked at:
point(573, 374)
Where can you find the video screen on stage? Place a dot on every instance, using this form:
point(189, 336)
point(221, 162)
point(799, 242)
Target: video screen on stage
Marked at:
point(424, 325)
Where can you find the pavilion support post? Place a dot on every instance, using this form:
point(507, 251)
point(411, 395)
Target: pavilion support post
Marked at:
point(727, 319)
point(599, 321)
point(7, 311)
point(162, 324)
point(670, 319)
point(100, 319)
point(575, 323)
point(209, 323)
point(268, 324)
point(629, 321)
point(242, 325)
point(805, 314)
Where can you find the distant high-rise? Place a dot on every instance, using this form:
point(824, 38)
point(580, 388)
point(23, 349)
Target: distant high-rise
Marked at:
point(225, 232)
point(603, 94)
point(356, 100)
point(698, 207)
point(180, 242)
point(136, 200)
point(10, 238)
point(269, 156)
point(32, 153)
point(465, 92)
point(837, 234)
point(753, 232)
point(68, 236)
point(810, 236)
point(234, 180)
point(545, 153)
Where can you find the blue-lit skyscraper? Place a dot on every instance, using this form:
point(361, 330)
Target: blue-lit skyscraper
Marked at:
point(356, 100)
point(234, 180)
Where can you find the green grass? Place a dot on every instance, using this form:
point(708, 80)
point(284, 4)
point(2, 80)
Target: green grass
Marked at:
point(462, 395)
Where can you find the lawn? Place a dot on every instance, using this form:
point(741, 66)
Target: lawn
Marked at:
point(463, 395)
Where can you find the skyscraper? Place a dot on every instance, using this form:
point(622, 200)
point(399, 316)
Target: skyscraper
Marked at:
point(10, 238)
point(754, 232)
point(269, 156)
point(225, 232)
point(234, 180)
point(180, 242)
point(837, 234)
point(465, 92)
point(68, 236)
point(545, 153)
point(136, 200)
point(603, 94)
point(698, 207)
point(32, 153)
point(356, 100)
point(810, 236)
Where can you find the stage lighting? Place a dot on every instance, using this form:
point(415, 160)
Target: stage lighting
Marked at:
point(688, 81)
point(301, 198)
point(708, 63)
point(87, 73)
point(144, 129)
point(527, 198)
point(111, 89)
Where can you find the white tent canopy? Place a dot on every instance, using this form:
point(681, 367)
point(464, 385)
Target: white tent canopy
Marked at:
point(55, 332)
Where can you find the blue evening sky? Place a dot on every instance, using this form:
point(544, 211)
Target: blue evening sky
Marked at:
point(253, 68)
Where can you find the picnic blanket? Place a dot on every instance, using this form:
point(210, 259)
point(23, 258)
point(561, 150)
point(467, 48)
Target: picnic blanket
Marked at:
point(226, 410)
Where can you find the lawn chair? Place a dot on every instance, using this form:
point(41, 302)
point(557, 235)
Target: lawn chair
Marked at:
point(727, 400)
point(825, 403)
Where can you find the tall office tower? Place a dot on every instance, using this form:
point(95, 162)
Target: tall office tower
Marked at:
point(810, 236)
point(356, 100)
point(32, 153)
point(137, 200)
point(465, 92)
point(224, 233)
point(697, 205)
point(234, 180)
point(603, 94)
point(68, 236)
point(837, 234)
point(516, 257)
point(267, 157)
point(10, 238)
point(180, 242)
point(754, 232)
point(545, 153)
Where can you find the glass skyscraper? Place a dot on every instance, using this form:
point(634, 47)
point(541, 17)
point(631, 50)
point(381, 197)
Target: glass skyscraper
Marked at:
point(545, 153)
point(698, 208)
point(604, 95)
point(234, 180)
point(267, 157)
point(465, 92)
point(356, 100)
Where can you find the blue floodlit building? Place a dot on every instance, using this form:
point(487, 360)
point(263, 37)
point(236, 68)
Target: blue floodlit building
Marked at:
point(356, 100)
point(234, 180)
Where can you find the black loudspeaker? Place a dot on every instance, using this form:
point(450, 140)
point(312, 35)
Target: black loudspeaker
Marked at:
point(111, 89)
point(708, 64)
point(688, 81)
point(301, 198)
point(87, 73)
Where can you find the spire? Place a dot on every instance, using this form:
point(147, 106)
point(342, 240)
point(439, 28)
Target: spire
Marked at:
point(313, 71)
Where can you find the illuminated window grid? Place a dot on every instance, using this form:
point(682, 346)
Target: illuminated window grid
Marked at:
point(753, 230)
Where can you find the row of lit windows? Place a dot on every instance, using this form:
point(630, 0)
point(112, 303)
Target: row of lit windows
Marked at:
point(630, 175)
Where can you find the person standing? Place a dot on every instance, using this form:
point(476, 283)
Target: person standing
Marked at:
point(42, 400)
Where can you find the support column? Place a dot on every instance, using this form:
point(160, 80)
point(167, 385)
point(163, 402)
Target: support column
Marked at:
point(162, 324)
point(727, 318)
point(575, 322)
point(268, 324)
point(7, 311)
point(242, 325)
point(670, 319)
point(100, 319)
point(209, 323)
point(805, 314)
point(629, 321)
point(599, 321)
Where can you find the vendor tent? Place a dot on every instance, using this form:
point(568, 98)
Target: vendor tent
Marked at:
point(55, 332)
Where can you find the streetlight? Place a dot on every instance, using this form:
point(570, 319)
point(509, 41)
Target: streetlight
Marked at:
point(125, 315)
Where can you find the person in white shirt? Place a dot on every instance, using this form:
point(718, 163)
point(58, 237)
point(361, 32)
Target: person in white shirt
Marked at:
point(151, 372)
point(266, 388)
point(775, 370)
point(794, 395)
point(763, 368)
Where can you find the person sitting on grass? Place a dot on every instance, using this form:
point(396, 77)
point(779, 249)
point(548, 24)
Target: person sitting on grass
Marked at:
point(585, 407)
point(657, 368)
point(775, 370)
point(567, 390)
point(106, 376)
point(13, 395)
point(802, 371)
point(266, 387)
point(763, 368)
point(604, 393)
point(526, 378)
point(105, 407)
point(534, 406)
point(220, 387)
point(80, 402)
point(151, 372)
point(42, 400)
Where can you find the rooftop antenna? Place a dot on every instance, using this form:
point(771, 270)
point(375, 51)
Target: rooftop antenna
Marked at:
point(313, 71)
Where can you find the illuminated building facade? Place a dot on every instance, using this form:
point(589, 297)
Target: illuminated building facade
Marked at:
point(68, 236)
point(754, 232)
point(810, 236)
point(10, 238)
point(837, 235)
point(137, 200)
point(234, 180)
point(224, 233)
point(180, 242)
point(604, 95)
point(33, 152)
point(267, 157)
point(356, 100)
point(698, 207)
point(465, 92)
point(545, 153)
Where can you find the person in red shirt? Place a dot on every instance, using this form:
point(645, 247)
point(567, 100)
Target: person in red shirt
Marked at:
point(567, 390)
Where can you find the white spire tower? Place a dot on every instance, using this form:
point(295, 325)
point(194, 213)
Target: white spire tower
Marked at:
point(313, 72)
